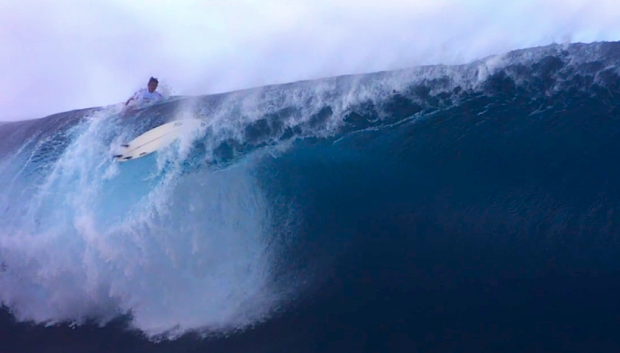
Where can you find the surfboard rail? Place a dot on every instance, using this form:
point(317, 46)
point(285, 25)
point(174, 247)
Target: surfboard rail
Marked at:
point(156, 139)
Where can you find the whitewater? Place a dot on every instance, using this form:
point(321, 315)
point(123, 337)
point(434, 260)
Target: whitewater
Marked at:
point(290, 190)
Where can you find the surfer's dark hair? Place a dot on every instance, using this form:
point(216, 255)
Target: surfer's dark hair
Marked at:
point(153, 79)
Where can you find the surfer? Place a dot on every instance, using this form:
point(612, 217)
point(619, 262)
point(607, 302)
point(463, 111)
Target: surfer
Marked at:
point(146, 95)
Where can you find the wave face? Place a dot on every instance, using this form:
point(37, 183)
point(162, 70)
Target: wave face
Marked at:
point(385, 211)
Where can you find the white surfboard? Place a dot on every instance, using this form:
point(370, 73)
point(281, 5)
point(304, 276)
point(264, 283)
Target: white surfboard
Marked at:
point(156, 139)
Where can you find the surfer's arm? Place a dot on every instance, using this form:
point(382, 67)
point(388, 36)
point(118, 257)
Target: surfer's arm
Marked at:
point(135, 95)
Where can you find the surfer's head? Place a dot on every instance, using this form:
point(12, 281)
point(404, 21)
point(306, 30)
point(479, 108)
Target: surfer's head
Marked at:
point(153, 84)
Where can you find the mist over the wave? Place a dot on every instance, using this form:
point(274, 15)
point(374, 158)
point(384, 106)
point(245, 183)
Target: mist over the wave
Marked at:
point(73, 54)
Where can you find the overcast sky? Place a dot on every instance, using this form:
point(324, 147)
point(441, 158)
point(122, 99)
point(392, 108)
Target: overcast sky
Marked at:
point(68, 54)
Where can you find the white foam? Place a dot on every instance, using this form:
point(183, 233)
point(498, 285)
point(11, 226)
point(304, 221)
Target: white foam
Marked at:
point(187, 252)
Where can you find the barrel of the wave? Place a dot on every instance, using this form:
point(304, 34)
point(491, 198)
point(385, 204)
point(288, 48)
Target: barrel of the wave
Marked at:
point(156, 139)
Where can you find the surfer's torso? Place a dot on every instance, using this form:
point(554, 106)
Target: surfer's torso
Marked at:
point(143, 96)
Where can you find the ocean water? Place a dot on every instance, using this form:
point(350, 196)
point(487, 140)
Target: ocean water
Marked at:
point(470, 208)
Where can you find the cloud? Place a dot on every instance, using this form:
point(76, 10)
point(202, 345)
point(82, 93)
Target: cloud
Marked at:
point(59, 56)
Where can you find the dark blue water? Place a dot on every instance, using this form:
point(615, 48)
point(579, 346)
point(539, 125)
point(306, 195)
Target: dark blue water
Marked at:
point(438, 209)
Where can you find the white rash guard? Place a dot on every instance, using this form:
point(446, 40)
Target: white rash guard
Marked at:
point(143, 97)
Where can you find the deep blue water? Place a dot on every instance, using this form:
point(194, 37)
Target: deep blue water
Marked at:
point(438, 209)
